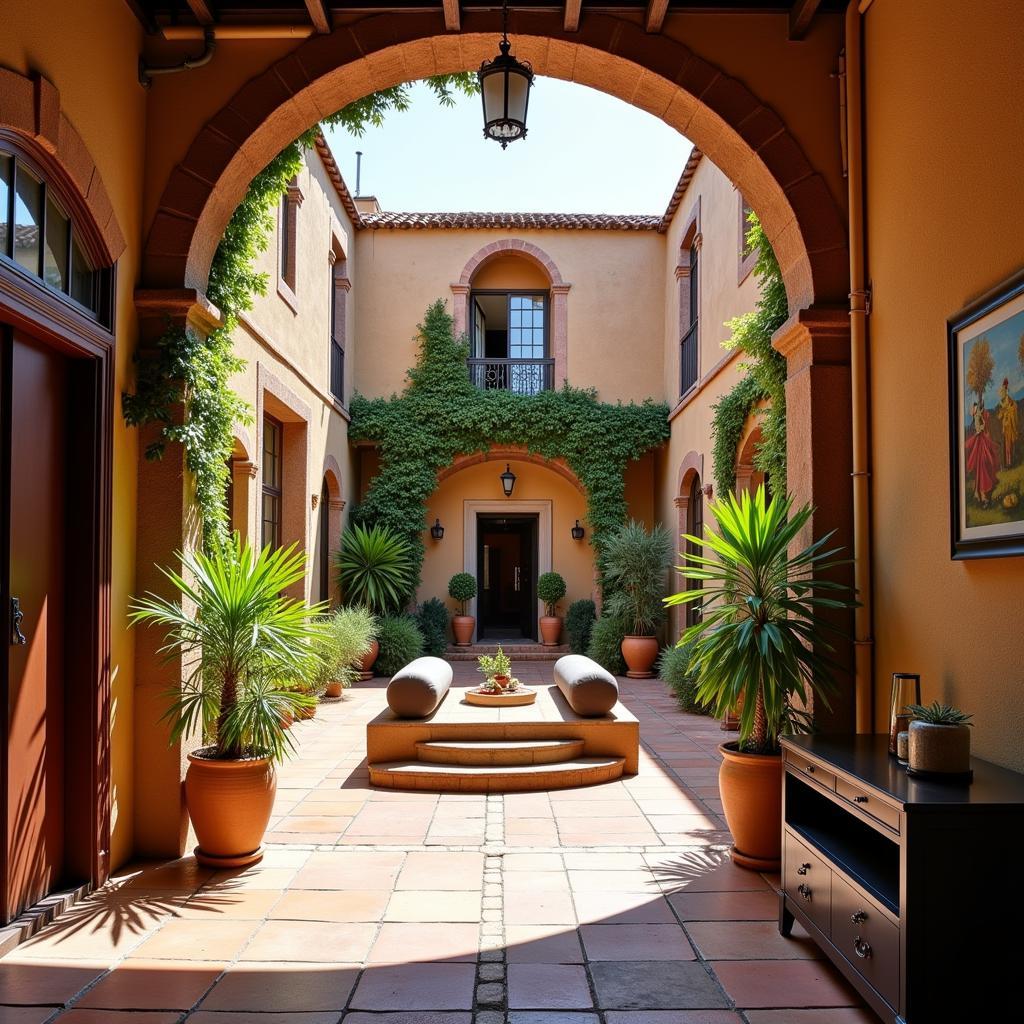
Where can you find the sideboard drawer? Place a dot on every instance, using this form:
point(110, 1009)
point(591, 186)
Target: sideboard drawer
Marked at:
point(863, 934)
point(822, 776)
point(808, 881)
point(869, 804)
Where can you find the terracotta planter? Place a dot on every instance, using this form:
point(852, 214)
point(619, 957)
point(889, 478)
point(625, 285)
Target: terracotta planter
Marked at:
point(751, 788)
point(229, 803)
point(550, 630)
point(939, 749)
point(502, 682)
point(334, 689)
point(640, 654)
point(366, 665)
point(462, 627)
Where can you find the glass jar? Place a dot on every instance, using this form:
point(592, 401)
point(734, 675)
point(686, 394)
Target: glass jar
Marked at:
point(906, 690)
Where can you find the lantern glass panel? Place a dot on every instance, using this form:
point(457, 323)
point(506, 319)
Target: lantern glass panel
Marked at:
point(518, 97)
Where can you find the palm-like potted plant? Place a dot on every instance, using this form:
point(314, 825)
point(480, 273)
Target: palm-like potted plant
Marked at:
point(462, 587)
point(246, 646)
point(636, 563)
point(761, 639)
point(375, 571)
point(551, 590)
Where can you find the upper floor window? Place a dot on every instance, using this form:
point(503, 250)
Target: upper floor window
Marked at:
point(689, 317)
point(39, 236)
point(287, 242)
point(747, 253)
point(509, 341)
point(339, 285)
point(273, 438)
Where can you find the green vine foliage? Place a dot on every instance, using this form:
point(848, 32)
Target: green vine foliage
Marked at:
point(182, 383)
point(441, 414)
point(765, 377)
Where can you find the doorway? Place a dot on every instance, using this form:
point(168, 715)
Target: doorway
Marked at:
point(507, 576)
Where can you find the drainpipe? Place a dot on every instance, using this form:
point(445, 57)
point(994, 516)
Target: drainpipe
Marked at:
point(146, 72)
point(859, 309)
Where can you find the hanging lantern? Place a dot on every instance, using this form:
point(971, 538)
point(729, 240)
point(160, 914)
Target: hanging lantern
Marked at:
point(508, 480)
point(577, 531)
point(437, 530)
point(505, 90)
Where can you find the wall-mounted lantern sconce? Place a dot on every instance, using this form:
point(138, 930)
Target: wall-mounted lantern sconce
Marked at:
point(577, 531)
point(508, 480)
point(437, 530)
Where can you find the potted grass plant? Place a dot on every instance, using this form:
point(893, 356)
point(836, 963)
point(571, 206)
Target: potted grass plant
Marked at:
point(761, 639)
point(939, 741)
point(636, 562)
point(550, 590)
point(247, 647)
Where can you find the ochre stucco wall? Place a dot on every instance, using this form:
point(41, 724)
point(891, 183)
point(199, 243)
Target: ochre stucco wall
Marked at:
point(945, 148)
point(92, 62)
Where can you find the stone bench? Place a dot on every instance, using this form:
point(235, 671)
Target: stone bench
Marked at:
point(590, 690)
point(416, 690)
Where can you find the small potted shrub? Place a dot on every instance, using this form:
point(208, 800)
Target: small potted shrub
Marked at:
point(246, 646)
point(760, 608)
point(940, 740)
point(551, 590)
point(496, 670)
point(462, 587)
point(579, 622)
point(400, 642)
point(636, 563)
point(376, 571)
point(351, 636)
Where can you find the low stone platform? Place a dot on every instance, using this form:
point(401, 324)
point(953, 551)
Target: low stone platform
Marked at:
point(491, 749)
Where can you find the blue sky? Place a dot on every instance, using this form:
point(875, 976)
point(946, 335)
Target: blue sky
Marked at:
point(585, 153)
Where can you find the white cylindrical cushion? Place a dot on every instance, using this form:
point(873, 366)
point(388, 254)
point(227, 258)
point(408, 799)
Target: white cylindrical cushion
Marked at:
point(416, 690)
point(590, 690)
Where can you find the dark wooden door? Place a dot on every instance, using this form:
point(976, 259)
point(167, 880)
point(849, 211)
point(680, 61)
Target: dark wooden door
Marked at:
point(507, 557)
point(36, 399)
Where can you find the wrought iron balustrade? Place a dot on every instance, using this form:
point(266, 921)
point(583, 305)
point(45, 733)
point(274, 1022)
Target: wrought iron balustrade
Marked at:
point(688, 359)
point(522, 376)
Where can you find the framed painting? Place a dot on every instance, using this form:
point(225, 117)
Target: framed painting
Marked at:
point(986, 417)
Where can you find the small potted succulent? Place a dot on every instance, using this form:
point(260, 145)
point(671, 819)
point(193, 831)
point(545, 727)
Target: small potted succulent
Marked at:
point(940, 740)
point(496, 670)
point(462, 587)
point(551, 590)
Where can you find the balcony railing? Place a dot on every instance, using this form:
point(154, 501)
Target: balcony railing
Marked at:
point(522, 376)
point(688, 359)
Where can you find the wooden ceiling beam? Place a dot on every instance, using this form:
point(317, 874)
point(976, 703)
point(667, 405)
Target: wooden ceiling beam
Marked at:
point(452, 15)
point(656, 11)
point(801, 14)
point(319, 16)
point(201, 11)
point(572, 15)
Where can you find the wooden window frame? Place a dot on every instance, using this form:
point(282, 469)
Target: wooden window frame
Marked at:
point(747, 260)
point(274, 491)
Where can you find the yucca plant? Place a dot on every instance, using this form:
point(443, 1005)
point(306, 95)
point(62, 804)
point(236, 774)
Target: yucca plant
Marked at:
point(939, 714)
point(761, 637)
point(375, 568)
point(636, 563)
point(248, 646)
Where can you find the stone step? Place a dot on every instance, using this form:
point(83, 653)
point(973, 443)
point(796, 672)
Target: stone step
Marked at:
point(517, 652)
point(454, 778)
point(498, 752)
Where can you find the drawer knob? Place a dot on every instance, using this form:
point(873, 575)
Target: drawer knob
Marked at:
point(860, 799)
point(805, 891)
point(803, 869)
point(861, 948)
point(810, 768)
point(859, 917)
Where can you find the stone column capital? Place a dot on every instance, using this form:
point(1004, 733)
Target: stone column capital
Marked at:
point(818, 336)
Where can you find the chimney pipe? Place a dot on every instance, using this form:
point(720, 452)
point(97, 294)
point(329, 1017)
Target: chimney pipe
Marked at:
point(359, 171)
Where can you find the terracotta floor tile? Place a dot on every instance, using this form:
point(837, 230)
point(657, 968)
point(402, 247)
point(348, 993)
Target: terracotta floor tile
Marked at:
point(183, 875)
point(427, 870)
point(750, 940)
point(748, 905)
point(283, 987)
point(350, 905)
point(419, 1017)
point(437, 905)
point(655, 986)
point(398, 943)
point(542, 944)
point(196, 940)
point(842, 1015)
point(542, 829)
point(536, 881)
point(247, 905)
point(775, 983)
point(250, 1017)
point(622, 908)
point(24, 983)
point(635, 942)
point(548, 987)
point(349, 871)
point(152, 985)
point(541, 908)
point(77, 1016)
point(416, 987)
point(316, 824)
point(585, 809)
point(516, 862)
point(599, 861)
point(684, 822)
point(243, 881)
point(637, 880)
point(672, 1017)
point(702, 871)
point(316, 941)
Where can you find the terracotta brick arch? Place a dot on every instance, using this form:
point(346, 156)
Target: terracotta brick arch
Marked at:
point(512, 247)
point(30, 108)
point(723, 118)
point(511, 453)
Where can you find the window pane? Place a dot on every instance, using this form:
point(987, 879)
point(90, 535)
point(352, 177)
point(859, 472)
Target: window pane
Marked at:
point(6, 164)
point(55, 249)
point(83, 277)
point(28, 209)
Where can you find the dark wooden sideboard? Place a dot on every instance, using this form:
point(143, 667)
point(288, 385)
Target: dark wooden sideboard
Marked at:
point(913, 888)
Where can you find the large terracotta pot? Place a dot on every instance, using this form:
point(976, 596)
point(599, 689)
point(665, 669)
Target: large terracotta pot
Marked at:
point(550, 630)
point(366, 665)
point(462, 627)
point(229, 803)
point(751, 788)
point(640, 654)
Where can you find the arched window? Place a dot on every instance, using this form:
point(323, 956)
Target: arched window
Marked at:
point(40, 237)
point(694, 527)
